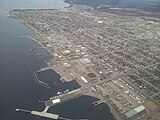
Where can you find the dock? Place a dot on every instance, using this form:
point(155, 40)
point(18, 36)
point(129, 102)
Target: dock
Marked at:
point(98, 102)
point(45, 114)
point(40, 82)
point(55, 100)
point(44, 69)
point(64, 97)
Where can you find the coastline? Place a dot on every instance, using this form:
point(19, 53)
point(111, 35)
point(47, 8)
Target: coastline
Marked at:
point(142, 36)
point(111, 109)
point(32, 28)
point(139, 5)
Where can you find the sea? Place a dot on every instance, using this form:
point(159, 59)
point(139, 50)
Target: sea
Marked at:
point(18, 88)
point(147, 5)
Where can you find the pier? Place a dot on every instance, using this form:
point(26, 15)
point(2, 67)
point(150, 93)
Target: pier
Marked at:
point(40, 82)
point(45, 114)
point(42, 114)
point(55, 100)
point(26, 37)
point(98, 102)
point(44, 69)
point(64, 97)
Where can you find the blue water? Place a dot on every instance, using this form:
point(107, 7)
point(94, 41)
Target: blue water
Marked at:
point(54, 82)
point(18, 89)
point(22, 4)
point(148, 5)
point(82, 108)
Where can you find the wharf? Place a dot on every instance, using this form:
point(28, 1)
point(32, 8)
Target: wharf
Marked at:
point(65, 97)
point(45, 114)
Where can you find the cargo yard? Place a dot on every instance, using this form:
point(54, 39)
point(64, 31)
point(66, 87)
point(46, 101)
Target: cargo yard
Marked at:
point(114, 58)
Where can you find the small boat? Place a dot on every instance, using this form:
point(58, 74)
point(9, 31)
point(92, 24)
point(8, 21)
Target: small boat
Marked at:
point(66, 91)
point(16, 110)
point(58, 93)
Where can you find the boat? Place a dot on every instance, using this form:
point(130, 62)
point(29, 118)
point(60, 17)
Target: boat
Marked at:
point(16, 110)
point(58, 93)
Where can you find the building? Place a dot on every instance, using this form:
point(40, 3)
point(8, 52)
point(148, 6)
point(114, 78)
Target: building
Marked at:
point(84, 79)
point(103, 72)
point(85, 61)
point(66, 52)
point(92, 77)
point(135, 113)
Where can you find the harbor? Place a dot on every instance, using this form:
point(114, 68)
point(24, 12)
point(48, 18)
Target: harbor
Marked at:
point(81, 51)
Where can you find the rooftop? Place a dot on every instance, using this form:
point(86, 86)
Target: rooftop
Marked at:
point(135, 111)
point(85, 61)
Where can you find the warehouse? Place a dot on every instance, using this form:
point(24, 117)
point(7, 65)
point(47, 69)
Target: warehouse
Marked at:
point(85, 61)
point(135, 113)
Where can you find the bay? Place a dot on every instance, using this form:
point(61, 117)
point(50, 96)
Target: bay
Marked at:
point(18, 89)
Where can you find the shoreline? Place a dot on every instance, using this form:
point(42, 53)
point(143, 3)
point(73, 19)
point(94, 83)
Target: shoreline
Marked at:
point(41, 37)
point(29, 26)
point(111, 109)
point(118, 5)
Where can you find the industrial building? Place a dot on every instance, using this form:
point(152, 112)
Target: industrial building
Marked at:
point(135, 113)
point(92, 77)
point(103, 72)
point(85, 61)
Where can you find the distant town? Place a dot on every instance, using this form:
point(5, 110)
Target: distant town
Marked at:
point(113, 57)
